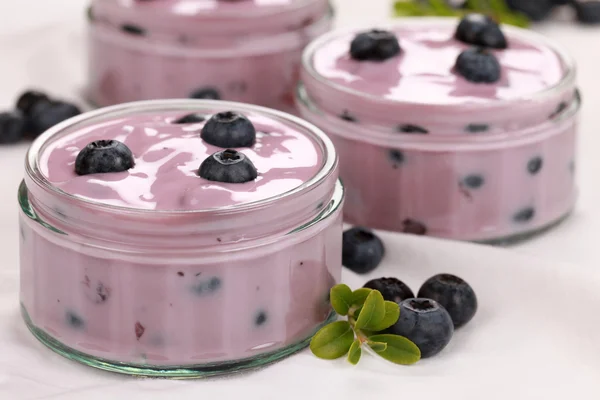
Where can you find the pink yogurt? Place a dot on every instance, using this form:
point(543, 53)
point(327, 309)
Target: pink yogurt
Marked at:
point(425, 151)
point(244, 50)
point(157, 271)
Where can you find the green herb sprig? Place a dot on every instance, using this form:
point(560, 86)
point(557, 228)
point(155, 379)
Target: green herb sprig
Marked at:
point(497, 9)
point(367, 315)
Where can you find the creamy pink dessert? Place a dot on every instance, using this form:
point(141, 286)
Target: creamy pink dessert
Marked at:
point(156, 270)
point(243, 50)
point(428, 148)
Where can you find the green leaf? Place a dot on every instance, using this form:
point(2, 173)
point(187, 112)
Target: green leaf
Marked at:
point(355, 352)
point(392, 313)
point(341, 298)
point(378, 347)
point(441, 7)
point(372, 313)
point(399, 349)
point(332, 341)
point(359, 296)
point(408, 9)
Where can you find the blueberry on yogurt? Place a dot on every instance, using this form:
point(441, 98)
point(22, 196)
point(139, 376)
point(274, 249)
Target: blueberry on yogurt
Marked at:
point(192, 118)
point(374, 45)
point(228, 166)
point(207, 93)
point(478, 65)
point(535, 165)
point(480, 30)
point(229, 129)
point(473, 181)
point(104, 156)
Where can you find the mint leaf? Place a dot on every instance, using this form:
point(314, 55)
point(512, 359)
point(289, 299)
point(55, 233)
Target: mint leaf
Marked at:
point(441, 7)
point(408, 9)
point(378, 347)
point(332, 341)
point(341, 298)
point(359, 296)
point(355, 352)
point(399, 349)
point(392, 313)
point(372, 313)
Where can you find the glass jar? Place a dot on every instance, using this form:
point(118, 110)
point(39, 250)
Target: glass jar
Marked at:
point(178, 293)
point(247, 51)
point(481, 164)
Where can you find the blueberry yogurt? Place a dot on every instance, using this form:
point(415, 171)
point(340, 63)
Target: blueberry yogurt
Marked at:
point(456, 129)
point(179, 237)
point(238, 50)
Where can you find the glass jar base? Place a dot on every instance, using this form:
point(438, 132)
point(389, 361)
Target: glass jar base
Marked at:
point(175, 371)
point(524, 236)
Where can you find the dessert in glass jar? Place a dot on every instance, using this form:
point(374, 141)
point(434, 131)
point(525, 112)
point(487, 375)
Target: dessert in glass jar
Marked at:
point(239, 50)
point(179, 238)
point(462, 130)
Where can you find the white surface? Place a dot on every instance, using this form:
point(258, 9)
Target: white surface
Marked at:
point(521, 346)
point(534, 337)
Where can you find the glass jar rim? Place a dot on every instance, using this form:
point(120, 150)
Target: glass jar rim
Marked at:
point(567, 79)
point(328, 165)
point(243, 13)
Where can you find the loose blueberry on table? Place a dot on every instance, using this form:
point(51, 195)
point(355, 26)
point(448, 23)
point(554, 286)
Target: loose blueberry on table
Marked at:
point(426, 323)
point(362, 250)
point(35, 112)
point(454, 294)
point(392, 289)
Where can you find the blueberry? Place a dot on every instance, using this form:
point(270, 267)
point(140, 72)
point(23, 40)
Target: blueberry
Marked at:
point(29, 99)
point(228, 166)
point(396, 156)
point(477, 128)
point(536, 10)
point(408, 128)
point(229, 129)
point(190, 119)
point(207, 286)
point(346, 116)
point(133, 30)
point(535, 165)
point(207, 93)
point(454, 294)
point(139, 330)
point(392, 289)
point(480, 30)
point(413, 227)
point(261, 318)
point(426, 323)
point(478, 65)
point(74, 320)
point(525, 215)
point(103, 156)
point(374, 45)
point(473, 181)
point(44, 115)
point(559, 109)
point(362, 251)
point(12, 127)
